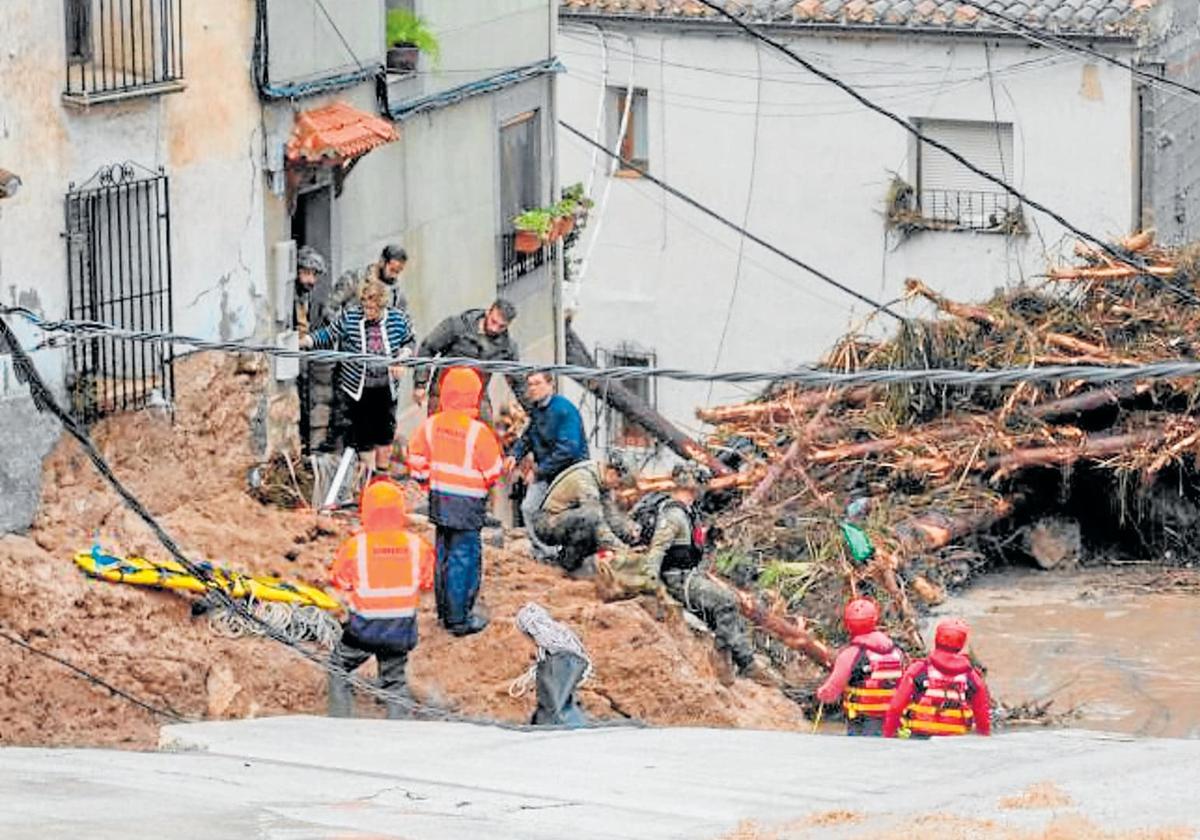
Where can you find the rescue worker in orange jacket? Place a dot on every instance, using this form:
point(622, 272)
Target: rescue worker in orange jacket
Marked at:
point(459, 459)
point(943, 694)
point(381, 569)
point(866, 671)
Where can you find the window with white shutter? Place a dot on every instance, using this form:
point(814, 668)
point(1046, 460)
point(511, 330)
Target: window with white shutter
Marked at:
point(951, 195)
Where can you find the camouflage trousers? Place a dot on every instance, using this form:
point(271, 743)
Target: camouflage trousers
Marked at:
point(716, 607)
point(579, 532)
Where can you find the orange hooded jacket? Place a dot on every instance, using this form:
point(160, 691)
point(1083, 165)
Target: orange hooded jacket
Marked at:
point(456, 455)
point(383, 566)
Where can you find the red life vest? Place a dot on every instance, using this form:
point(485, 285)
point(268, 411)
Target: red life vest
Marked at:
point(942, 705)
point(873, 682)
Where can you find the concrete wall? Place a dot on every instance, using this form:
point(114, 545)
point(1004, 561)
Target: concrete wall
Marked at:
point(305, 44)
point(1171, 187)
point(803, 166)
point(206, 138)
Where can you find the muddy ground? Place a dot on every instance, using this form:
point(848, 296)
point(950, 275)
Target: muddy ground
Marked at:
point(192, 475)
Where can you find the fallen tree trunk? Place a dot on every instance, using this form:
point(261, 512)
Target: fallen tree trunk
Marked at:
point(1117, 272)
point(782, 410)
point(1085, 403)
point(790, 631)
point(637, 410)
point(1101, 446)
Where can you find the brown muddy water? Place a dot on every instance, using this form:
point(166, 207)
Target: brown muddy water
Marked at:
point(1119, 649)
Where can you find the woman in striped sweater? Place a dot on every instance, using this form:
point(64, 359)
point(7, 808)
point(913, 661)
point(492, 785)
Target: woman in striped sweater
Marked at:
point(371, 327)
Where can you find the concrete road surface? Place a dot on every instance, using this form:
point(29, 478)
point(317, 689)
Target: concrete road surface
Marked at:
point(304, 778)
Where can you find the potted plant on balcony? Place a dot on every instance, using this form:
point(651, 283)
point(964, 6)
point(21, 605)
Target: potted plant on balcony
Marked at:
point(533, 229)
point(407, 37)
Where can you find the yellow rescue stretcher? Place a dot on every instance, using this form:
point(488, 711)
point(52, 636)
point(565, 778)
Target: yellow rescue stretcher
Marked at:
point(168, 574)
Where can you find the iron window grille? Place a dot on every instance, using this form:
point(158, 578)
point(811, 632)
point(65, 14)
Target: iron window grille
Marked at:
point(121, 48)
point(971, 210)
point(119, 272)
point(515, 264)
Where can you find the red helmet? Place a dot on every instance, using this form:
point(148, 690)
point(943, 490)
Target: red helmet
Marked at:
point(860, 616)
point(951, 634)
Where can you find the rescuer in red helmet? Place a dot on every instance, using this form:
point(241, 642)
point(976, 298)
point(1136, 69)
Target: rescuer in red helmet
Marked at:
point(865, 672)
point(943, 694)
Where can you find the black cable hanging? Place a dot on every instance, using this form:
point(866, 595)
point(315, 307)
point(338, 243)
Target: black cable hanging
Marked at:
point(687, 199)
point(1120, 254)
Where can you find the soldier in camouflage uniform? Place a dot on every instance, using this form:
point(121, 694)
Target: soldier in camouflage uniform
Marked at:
point(676, 548)
point(578, 515)
point(306, 317)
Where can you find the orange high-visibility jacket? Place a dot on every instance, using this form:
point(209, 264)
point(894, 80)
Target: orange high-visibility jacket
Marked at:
point(456, 455)
point(383, 566)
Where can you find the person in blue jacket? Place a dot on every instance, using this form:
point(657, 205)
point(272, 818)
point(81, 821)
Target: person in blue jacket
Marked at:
point(556, 440)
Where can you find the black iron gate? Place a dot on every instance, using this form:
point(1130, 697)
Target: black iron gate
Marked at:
point(119, 266)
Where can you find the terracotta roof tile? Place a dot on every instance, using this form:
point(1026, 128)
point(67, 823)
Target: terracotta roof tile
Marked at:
point(337, 132)
point(1085, 17)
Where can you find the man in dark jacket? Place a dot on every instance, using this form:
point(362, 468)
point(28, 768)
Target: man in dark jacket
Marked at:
point(475, 334)
point(556, 440)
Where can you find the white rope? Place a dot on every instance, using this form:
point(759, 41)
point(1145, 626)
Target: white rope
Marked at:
point(550, 636)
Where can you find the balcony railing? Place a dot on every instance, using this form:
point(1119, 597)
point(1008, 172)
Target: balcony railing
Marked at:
point(994, 212)
point(515, 264)
point(121, 48)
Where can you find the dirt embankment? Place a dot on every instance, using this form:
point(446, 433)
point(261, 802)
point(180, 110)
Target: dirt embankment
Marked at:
point(191, 475)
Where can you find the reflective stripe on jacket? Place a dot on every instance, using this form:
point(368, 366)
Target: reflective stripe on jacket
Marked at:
point(457, 456)
point(942, 705)
point(873, 683)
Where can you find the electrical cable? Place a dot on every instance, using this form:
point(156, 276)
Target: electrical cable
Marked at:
point(741, 252)
point(628, 164)
point(1121, 255)
point(92, 678)
point(1049, 38)
point(804, 376)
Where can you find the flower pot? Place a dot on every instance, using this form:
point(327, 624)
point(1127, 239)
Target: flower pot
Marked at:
point(527, 242)
point(402, 58)
point(562, 226)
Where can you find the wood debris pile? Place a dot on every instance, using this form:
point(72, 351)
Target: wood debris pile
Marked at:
point(946, 480)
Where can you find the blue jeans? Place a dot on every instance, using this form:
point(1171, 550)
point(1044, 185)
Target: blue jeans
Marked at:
point(457, 573)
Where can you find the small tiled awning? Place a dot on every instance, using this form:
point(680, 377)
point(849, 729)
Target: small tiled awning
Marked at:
point(336, 134)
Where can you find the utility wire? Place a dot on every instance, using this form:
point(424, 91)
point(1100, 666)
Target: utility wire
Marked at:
point(92, 678)
point(337, 31)
point(687, 199)
point(1122, 255)
point(1049, 38)
point(807, 376)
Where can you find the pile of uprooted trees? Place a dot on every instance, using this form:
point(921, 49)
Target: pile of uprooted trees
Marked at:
point(946, 480)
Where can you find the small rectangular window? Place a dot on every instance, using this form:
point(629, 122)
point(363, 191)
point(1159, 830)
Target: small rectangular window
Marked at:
point(950, 195)
point(520, 190)
point(623, 432)
point(634, 144)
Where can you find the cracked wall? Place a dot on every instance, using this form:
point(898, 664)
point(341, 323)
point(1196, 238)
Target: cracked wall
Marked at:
point(208, 141)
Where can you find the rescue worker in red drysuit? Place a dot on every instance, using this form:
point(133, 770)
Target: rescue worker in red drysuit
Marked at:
point(943, 694)
point(866, 671)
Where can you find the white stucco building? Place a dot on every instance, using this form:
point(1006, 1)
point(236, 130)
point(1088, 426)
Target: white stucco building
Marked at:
point(749, 133)
point(151, 138)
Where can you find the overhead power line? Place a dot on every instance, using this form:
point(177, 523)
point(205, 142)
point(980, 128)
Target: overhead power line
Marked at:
point(703, 208)
point(1039, 36)
point(807, 376)
point(1123, 256)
